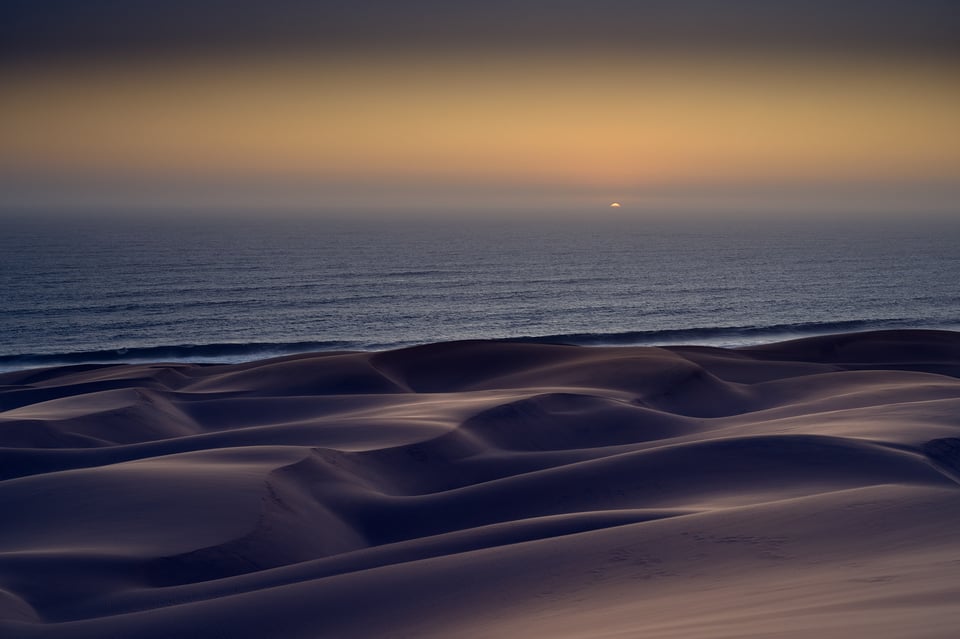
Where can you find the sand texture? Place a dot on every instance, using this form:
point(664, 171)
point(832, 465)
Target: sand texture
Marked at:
point(490, 489)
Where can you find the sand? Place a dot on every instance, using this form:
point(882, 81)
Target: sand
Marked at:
point(490, 489)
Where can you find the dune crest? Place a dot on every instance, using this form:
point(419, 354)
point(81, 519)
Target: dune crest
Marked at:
point(490, 489)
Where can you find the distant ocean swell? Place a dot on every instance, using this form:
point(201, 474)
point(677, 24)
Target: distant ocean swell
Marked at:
point(733, 335)
point(240, 352)
point(174, 353)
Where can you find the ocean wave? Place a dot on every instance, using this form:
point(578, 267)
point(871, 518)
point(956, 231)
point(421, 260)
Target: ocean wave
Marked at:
point(726, 334)
point(228, 352)
point(241, 352)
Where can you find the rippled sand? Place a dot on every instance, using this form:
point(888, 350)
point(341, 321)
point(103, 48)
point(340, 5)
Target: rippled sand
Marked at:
point(489, 489)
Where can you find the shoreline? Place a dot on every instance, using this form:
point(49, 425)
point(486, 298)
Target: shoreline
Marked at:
point(489, 488)
point(246, 352)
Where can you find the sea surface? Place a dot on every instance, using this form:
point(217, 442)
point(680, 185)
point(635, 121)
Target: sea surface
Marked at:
point(78, 290)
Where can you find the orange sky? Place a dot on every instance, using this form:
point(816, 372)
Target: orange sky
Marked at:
point(600, 123)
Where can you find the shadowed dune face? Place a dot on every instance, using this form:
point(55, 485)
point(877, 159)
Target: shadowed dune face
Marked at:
point(482, 489)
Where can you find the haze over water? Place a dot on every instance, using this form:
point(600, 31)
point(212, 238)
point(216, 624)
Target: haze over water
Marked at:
point(503, 186)
point(203, 290)
point(750, 124)
point(485, 105)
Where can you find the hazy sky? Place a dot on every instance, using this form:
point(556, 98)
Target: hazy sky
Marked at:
point(534, 104)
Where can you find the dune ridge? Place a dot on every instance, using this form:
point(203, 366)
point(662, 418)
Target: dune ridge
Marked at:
point(490, 489)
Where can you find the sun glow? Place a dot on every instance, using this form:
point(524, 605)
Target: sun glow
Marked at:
point(365, 124)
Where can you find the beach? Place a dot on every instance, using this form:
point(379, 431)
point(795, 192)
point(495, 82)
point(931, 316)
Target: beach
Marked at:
point(490, 489)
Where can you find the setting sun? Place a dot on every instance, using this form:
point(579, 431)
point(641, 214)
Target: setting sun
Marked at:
point(314, 323)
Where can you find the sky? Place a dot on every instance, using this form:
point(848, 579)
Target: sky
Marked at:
point(766, 106)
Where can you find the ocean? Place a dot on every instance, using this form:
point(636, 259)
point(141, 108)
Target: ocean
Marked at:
point(228, 290)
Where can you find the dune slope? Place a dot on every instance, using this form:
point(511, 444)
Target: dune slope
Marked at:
point(490, 489)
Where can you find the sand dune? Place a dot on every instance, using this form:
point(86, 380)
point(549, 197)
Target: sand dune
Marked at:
point(490, 489)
